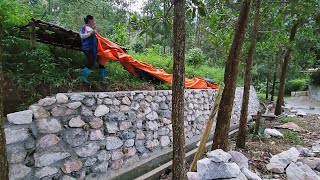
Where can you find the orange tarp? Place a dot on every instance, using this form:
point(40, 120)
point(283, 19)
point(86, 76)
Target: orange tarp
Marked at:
point(109, 50)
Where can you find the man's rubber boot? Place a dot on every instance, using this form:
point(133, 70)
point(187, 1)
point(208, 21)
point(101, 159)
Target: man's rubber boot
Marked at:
point(85, 74)
point(103, 74)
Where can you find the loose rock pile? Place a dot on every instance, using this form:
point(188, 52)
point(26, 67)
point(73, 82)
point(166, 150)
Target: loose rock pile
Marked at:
point(297, 163)
point(223, 165)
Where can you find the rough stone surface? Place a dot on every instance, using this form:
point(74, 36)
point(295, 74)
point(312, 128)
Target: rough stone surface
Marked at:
point(101, 168)
point(250, 175)
point(16, 154)
point(46, 171)
point(88, 150)
point(18, 171)
point(45, 159)
point(62, 111)
point(65, 177)
point(125, 125)
point(215, 170)
point(48, 126)
point(22, 117)
point(76, 122)
point(96, 123)
point(129, 143)
point(47, 101)
point(77, 97)
point(39, 112)
point(76, 136)
point(128, 152)
point(101, 110)
point(294, 172)
point(103, 156)
point(274, 167)
point(96, 135)
point(272, 132)
point(48, 140)
point(90, 162)
point(152, 116)
point(112, 127)
point(61, 98)
point(74, 105)
point(312, 162)
point(239, 159)
point(16, 135)
point(116, 155)
point(219, 155)
point(71, 166)
point(164, 140)
point(286, 157)
point(140, 134)
point(113, 143)
point(152, 125)
point(193, 176)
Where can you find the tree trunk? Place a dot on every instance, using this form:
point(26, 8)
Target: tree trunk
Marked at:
point(3, 154)
point(230, 77)
point(267, 88)
point(285, 63)
point(241, 139)
point(257, 124)
point(274, 80)
point(178, 166)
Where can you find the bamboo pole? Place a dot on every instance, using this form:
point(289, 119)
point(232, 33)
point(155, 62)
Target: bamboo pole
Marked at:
point(207, 131)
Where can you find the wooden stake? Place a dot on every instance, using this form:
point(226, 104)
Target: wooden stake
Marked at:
point(257, 124)
point(207, 131)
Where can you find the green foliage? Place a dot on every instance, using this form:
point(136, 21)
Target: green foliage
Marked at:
point(138, 47)
point(296, 85)
point(120, 34)
point(315, 78)
point(13, 13)
point(195, 56)
point(291, 119)
point(291, 137)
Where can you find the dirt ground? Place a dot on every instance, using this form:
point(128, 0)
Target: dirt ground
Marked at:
point(260, 150)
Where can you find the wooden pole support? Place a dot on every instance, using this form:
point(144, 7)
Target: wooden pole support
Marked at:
point(207, 131)
point(257, 124)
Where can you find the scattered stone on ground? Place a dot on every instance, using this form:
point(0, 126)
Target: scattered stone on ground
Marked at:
point(291, 126)
point(272, 132)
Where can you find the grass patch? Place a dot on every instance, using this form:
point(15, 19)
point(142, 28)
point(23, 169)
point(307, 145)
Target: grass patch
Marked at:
point(291, 137)
point(291, 119)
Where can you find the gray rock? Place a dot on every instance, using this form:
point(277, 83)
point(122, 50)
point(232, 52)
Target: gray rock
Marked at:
point(135, 106)
point(103, 95)
point(116, 155)
point(152, 116)
point(47, 126)
point(209, 169)
point(163, 131)
point(46, 171)
point(305, 152)
point(116, 117)
point(250, 175)
point(140, 134)
point(48, 140)
point(152, 125)
point(116, 102)
point(148, 98)
point(239, 159)
point(286, 157)
point(219, 155)
point(16, 135)
point(124, 108)
point(86, 112)
point(139, 124)
point(89, 102)
point(101, 110)
point(101, 168)
point(294, 172)
point(166, 121)
point(112, 127)
point(71, 166)
point(164, 106)
point(154, 106)
point(96, 123)
point(107, 101)
point(128, 134)
point(316, 148)
point(131, 160)
point(128, 152)
point(77, 97)
point(129, 143)
point(16, 154)
point(125, 125)
point(117, 164)
point(61, 98)
point(164, 140)
point(274, 167)
point(103, 156)
point(76, 137)
point(165, 114)
point(301, 113)
point(88, 150)
point(193, 176)
point(74, 105)
point(96, 135)
point(150, 144)
point(310, 174)
point(48, 158)
point(272, 132)
point(126, 101)
point(65, 177)
point(89, 162)
point(39, 112)
point(18, 171)
point(76, 122)
point(113, 143)
point(141, 149)
point(62, 111)
point(312, 162)
point(22, 117)
point(47, 101)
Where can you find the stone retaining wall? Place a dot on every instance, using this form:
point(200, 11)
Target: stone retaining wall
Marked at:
point(314, 92)
point(70, 135)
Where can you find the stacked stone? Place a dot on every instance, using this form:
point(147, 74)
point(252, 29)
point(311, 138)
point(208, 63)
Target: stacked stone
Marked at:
point(71, 135)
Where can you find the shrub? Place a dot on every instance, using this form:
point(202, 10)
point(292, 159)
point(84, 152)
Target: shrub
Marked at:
point(296, 85)
point(315, 78)
point(195, 56)
point(138, 47)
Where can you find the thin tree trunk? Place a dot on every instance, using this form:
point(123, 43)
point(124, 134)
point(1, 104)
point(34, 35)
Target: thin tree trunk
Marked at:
point(230, 77)
point(257, 124)
point(178, 166)
point(241, 139)
point(285, 63)
point(274, 80)
point(267, 87)
point(3, 154)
